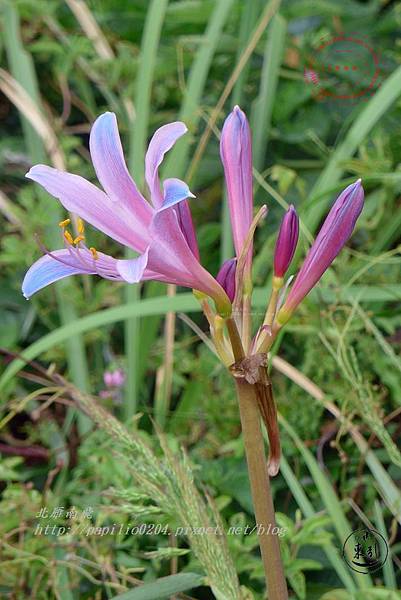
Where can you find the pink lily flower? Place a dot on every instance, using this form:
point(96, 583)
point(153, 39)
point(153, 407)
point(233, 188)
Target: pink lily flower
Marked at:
point(161, 232)
point(334, 234)
point(236, 155)
point(286, 242)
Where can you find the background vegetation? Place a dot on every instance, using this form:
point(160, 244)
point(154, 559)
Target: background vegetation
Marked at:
point(336, 367)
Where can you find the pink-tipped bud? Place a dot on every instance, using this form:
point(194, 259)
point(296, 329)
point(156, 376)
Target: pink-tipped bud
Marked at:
point(286, 242)
point(226, 277)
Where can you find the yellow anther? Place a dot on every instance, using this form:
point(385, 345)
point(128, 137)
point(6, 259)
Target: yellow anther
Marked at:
point(64, 223)
point(80, 226)
point(78, 239)
point(94, 252)
point(68, 237)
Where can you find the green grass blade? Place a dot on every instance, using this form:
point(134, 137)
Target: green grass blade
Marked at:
point(76, 355)
point(23, 71)
point(381, 340)
point(149, 328)
point(249, 17)
point(143, 308)
point(389, 491)
point(307, 508)
point(388, 233)
point(160, 306)
point(388, 568)
point(139, 131)
point(62, 576)
point(361, 293)
point(328, 495)
point(320, 195)
point(177, 160)
point(263, 106)
point(164, 587)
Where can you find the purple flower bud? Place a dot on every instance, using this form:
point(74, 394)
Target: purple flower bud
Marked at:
point(236, 155)
point(286, 242)
point(114, 379)
point(334, 234)
point(226, 277)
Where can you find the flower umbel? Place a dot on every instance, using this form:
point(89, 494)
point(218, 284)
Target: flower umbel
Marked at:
point(161, 232)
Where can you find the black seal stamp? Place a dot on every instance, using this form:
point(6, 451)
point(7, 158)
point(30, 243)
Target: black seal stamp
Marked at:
point(365, 550)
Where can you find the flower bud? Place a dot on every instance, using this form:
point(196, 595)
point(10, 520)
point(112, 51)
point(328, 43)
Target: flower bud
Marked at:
point(226, 277)
point(236, 155)
point(286, 242)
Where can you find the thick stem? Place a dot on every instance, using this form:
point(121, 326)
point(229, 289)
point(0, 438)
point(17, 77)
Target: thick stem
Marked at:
point(258, 477)
point(261, 491)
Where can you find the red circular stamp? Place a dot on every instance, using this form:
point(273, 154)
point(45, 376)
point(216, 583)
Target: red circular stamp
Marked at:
point(344, 67)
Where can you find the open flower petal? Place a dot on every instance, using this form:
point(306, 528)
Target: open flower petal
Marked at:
point(164, 238)
point(162, 141)
point(80, 196)
point(47, 270)
point(132, 270)
point(111, 170)
point(170, 255)
point(175, 191)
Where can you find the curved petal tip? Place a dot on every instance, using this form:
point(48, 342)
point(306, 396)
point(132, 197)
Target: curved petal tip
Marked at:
point(47, 270)
point(175, 191)
point(131, 270)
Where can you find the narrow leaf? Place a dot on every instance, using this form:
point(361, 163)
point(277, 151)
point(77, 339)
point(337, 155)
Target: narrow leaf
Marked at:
point(163, 587)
